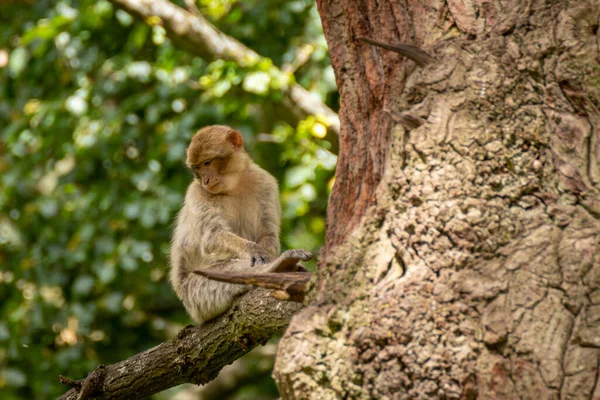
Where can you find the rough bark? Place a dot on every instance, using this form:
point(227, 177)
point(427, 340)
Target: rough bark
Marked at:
point(196, 355)
point(462, 256)
point(195, 34)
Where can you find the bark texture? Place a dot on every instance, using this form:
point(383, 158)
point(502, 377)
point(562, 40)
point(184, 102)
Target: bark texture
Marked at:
point(462, 256)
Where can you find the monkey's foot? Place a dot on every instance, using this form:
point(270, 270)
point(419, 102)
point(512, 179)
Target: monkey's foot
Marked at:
point(288, 260)
point(297, 255)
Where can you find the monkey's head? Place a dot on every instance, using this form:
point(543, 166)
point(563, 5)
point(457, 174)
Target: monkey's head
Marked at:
point(217, 158)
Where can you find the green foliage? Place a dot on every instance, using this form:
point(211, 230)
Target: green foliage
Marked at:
point(96, 110)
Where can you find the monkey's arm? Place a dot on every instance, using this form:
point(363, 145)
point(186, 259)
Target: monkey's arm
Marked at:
point(268, 235)
point(204, 236)
point(215, 236)
point(240, 247)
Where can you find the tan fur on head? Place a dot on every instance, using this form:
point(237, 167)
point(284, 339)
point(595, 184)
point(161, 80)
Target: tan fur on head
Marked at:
point(213, 141)
point(217, 158)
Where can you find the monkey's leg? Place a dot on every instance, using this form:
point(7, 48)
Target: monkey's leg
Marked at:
point(285, 261)
point(206, 299)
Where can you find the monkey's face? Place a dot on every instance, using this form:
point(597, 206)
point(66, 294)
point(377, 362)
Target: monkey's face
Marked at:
point(211, 173)
point(215, 157)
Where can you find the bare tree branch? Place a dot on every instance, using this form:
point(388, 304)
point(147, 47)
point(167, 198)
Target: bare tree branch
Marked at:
point(196, 355)
point(195, 34)
point(420, 57)
point(407, 120)
point(191, 7)
point(288, 285)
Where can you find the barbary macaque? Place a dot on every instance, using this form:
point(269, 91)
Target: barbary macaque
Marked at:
point(229, 222)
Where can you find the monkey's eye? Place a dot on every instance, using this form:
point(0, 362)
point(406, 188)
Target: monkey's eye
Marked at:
point(207, 163)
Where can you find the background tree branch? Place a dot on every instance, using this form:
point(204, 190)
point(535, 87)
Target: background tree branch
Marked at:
point(196, 354)
point(96, 111)
point(195, 34)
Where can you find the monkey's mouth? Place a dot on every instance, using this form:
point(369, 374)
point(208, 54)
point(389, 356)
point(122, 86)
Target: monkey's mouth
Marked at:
point(214, 188)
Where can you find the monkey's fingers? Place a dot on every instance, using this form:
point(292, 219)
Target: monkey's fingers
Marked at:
point(298, 254)
point(288, 260)
point(258, 259)
point(293, 283)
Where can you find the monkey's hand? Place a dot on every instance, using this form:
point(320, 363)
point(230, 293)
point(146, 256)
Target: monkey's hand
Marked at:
point(258, 255)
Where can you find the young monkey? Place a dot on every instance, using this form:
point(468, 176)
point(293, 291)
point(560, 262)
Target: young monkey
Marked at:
point(229, 222)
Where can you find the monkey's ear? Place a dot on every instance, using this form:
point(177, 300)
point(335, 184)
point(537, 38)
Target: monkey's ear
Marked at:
point(235, 138)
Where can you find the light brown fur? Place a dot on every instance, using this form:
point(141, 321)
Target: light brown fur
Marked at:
point(229, 221)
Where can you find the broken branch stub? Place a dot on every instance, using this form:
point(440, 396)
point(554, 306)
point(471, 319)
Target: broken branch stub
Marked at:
point(420, 57)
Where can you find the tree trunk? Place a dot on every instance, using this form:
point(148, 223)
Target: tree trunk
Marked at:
point(463, 256)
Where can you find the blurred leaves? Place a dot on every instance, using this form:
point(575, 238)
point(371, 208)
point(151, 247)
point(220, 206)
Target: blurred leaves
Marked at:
point(96, 110)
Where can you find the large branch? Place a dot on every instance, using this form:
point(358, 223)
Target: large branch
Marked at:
point(196, 355)
point(196, 35)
